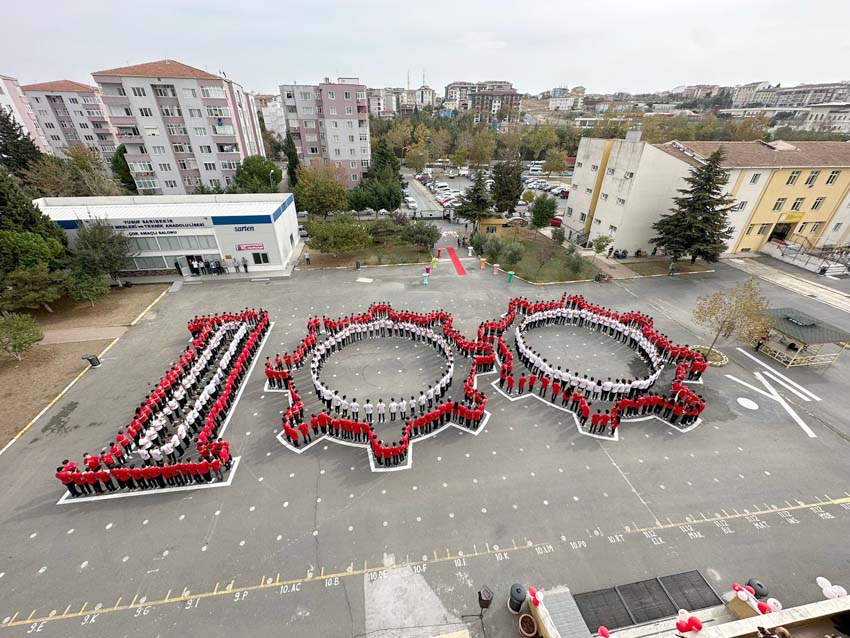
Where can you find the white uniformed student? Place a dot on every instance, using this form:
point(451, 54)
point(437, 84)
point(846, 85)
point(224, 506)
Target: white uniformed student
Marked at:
point(393, 409)
point(381, 409)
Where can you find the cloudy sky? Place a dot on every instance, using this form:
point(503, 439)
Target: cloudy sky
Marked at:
point(604, 45)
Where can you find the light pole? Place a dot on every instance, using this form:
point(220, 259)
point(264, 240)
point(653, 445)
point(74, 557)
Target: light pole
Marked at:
point(271, 178)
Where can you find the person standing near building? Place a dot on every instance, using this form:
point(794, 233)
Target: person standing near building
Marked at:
point(245, 264)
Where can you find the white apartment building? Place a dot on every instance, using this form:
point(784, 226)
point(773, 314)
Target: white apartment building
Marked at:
point(566, 103)
point(182, 126)
point(329, 122)
point(425, 96)
point(71, 113)
point(384, 102)
point(833, 117)
point(274, 116)
point(14, 102)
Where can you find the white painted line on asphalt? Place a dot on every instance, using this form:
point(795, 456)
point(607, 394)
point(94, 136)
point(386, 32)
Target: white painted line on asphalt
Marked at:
point(776, 372)
point(245, 380)
point(751, 387)
point(778, 398)
point(786, 385)
point(67, 499)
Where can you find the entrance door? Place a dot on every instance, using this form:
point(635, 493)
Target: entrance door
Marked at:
point(189, 259)
point(780, 232)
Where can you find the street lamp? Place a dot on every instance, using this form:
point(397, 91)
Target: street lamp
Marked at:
point(271, 178)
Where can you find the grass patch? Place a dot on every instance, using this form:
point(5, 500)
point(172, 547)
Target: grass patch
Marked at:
point(560, 266)
point(662, 267)
point(392, 253)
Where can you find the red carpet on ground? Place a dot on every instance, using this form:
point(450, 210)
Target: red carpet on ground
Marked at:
point(458, 266)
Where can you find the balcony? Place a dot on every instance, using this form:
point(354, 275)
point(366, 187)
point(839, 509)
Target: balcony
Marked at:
point(117, 100)
point(129, 138)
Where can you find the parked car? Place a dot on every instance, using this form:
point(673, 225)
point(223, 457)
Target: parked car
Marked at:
point(557, 222)
point(522, 203)
point(565, 194)
point(452, 174)
point(463, 171)
point(302, 232)
point(536, 170)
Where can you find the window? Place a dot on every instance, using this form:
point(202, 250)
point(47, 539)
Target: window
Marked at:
point(190, 93)
point(120, 111)
point(802, 227)
point(792, 178)
point(83, 125)
point(609, 171)
point(628, 175)
point(144, 244)
point(763, 229)
point(209, 166)
point(309, 123)
point(147, 183)
point(226, 129)
point(363, 137)
point(163, 90)
point(212, 91)
point(754, 179)
point(229, 165)
point(73, 100)
point(191, 181)
point(195, 113)
point(200, 130)
point(569, 211)
point(227, 148)
point(108, 148)
point(89, 138)
point(337, 152)
point(612, 229)
point(740, 205)
point(55, 138)
point(347, 95)
point(582, 217)
point(334, 124)
point(170, 183)
point(260, 258)
point(815, 227)
point(151, 131)
point(596, 220)
point(750, 229)
point(812, 178)
point(353, 164)
point(350, 138)
point(349, 110)
point(364, 163)
point(171, 111)
point(588, 191)
point(355, 177)
point(314, 150)
point(181, 148)
point(149, 263)
point(187, 164)
point(205, 148)
point(307, 110)
point(578, 164)
point(146, 112)
point(164, 167)
point(594, 167)
point(490, 230)
point(139, 91)
point(621, 201)
point(331, 95)
point(158, 150)
point(333, 110)
point(778, 204)
point(349, 124)
point(364, 150)
point(49, 125)
point(215, 182)
point(361, 95)
point(176, 129)
point(603, 195)
point(833, 177)
point(306, 95)
point(311, 138)
point(837, 226)
point(798, 203)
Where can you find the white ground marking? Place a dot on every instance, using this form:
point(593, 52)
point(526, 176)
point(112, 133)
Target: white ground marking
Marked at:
point(84, 564)
point(108, 526)
point(125, 559)
point(241, 543)
point(744, 402)
point(777, 373)
point(34, 534)
point(632, 487)
point(781, 401)
point(70, 531)
point(42, 569)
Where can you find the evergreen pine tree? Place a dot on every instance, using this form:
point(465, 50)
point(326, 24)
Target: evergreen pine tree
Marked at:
point(121, 169)
point(698, 224)
point(17, 149)
point(507, 185)
point(18, 213)
point(292, 161)
point(476, 202)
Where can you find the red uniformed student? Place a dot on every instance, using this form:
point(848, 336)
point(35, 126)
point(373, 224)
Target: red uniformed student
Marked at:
point(584, 411)
point(556, 390)
point(522, 382)
point(531, 381)
point(510, 384)
point(544, 385)
point(67, 480)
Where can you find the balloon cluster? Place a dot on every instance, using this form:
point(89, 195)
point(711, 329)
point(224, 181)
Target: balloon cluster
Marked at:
point(829, 590)
point(536, 596)
point(748, 595)
point(688, 623)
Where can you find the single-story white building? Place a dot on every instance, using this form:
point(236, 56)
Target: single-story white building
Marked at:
point(170, 230)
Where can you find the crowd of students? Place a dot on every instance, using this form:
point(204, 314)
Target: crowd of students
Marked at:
point(187, 405)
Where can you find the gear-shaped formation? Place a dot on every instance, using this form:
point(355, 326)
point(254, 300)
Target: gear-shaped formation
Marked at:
point(629, 399)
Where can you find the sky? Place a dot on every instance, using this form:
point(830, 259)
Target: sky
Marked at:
point(604, 45)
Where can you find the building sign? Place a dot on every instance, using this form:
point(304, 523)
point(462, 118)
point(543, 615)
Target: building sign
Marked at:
point(790, 218)
point(243, 229)
point(155, 224)
point(149, 233)
point(250, 247)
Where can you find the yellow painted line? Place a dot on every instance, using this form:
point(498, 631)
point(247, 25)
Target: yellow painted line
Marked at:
point(150, 305)
point(215, 591)
point(131, 604)
point(168, 595)
point(69, 607)
point(322, 572)
point(463, 633)
point(117, 602)
point(13, 618)
point(32, 613)
point(83, 608)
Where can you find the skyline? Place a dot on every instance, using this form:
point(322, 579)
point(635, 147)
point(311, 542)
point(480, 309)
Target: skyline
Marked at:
point(593, 44)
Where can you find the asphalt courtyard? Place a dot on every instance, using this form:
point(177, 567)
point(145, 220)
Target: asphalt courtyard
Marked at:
point(317, 544)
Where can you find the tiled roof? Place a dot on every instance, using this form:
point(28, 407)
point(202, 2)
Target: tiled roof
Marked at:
point(802, 327)
point(758, 154)
point(61, 86)
point(160, 69)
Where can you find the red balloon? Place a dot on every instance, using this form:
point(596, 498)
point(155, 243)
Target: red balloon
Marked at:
point(532, 591)
point(750, 590)
point(603, 631)
point(683, 626)
point(535, 602)
point(695, 623)
point(763, 608)
point(736, 587)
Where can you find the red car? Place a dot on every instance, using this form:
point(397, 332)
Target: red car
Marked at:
point(556, 222)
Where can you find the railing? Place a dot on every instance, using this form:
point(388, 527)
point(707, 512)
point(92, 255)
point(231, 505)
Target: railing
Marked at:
point(806, 253)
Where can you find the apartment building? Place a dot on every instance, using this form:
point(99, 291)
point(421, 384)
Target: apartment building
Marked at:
point(808, 94)
point(495, 105)
point(745, 94)
point(458, 95)
point(384, 103)
point(789, 192)
point(831, 117)
point(329, 122)
point(274, 117)
point(14, 102)
point(72, 113)
point(182, 126)
point(566, 103)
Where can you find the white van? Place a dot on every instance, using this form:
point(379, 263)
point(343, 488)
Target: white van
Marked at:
point(536, 170)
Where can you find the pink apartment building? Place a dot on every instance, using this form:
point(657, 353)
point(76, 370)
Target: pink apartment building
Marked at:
point(329, 122)
point(71, 113)
point(13, 101)
point(182, 126)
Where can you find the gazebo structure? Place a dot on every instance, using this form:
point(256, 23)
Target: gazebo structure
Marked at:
point(798, 339)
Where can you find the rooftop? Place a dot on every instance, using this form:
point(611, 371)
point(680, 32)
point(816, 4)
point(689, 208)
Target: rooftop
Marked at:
point(160, 69)
point(805, 328)
point(153, 206)
point(758, 154)
point(61, 86)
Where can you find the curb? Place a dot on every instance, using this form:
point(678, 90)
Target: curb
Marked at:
point(714, 364)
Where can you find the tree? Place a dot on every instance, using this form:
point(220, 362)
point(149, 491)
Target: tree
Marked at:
point(556, 161)
point(599, 244)
point(88, 167)
point(507, 185)
point(19, 333)
point(568, 139)
point(492, 249)
point(543, 210)
point(481, 147)
point(475, 203)
point(545, 253)
point(17, 149)
point(421, 234)
point(383, 230)
point(121, 169)
point(527, 197)
point(52, 176)
point(85, 286)
point(25, 250)
point(338, 235)
point(384, 163)
point(539, 138)
point(100, 249)
point(558, 235)
point(416, 157)
point(739, 312)
point(511, 253)
point(205, 189)
point(698, 224)
point(35, 287)
point(20, 214)
point(292, 160)
point(256, 174)
point(319, 190)
point(478, 242)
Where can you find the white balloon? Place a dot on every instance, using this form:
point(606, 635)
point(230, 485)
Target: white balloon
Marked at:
point(829, 592)
point(774, 604)
point(744, 595)
point(822, 582)
point(839, 591)
point(683, 615)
